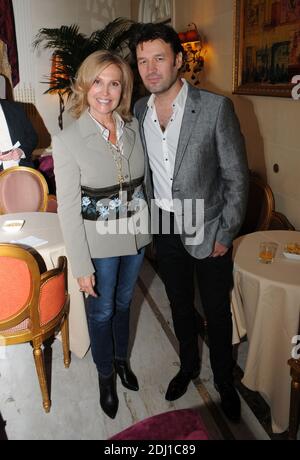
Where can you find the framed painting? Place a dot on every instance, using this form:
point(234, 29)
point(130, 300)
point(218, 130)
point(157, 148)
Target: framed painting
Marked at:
point(267, 47)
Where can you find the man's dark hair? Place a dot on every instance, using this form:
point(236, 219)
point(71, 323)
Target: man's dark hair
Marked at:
point(141, 33)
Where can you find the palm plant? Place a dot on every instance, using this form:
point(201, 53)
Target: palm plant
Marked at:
point(70, 48)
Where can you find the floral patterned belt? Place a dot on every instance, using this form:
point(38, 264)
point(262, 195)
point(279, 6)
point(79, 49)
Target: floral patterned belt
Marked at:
point(111, 203)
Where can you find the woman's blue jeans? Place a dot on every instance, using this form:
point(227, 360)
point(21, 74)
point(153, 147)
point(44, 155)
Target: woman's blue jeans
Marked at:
point(108, 315)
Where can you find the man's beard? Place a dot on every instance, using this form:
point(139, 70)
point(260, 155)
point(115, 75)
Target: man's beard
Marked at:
point(162, 87)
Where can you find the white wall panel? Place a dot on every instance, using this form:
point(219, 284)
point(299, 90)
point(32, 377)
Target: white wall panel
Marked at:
point(30, 16)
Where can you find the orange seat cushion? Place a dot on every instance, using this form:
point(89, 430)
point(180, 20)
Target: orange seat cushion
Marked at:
point(15, 286)
point(52, 205)
point(52, 298)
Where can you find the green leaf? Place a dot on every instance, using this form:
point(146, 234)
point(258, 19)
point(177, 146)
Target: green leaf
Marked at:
point(72, 47)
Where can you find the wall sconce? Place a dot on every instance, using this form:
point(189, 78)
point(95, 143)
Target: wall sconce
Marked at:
point(194, 50)
point(57, 84)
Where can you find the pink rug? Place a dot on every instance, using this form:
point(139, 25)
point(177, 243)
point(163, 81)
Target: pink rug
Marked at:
point(183, 424)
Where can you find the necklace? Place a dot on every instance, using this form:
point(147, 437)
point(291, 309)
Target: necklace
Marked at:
point(116, 153)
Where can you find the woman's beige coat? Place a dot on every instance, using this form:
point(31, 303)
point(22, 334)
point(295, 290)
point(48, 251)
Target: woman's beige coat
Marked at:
point(83, 158)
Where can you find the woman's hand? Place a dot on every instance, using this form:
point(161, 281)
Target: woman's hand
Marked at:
point(12, 155)
point(87, 284)
point(219, 250)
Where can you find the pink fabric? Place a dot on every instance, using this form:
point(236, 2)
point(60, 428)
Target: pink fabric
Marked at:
point(46, 165)
point(20, 192)
point(183, 424)
point(20, 327)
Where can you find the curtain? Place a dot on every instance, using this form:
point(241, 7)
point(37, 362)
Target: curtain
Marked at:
point(154, 10)
point(8, 37)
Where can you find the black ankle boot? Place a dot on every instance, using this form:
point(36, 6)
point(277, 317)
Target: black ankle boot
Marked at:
point(126, 375)
point(108, 395)
point(230, 401)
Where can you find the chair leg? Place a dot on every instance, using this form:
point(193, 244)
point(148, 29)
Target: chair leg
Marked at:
point(294, 410)
point(65, 342)
point(41, 372)
point(295, 398)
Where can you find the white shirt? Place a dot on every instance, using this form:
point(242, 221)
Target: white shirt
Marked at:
point(119, 130)
point(162, 147)
point(5, 142)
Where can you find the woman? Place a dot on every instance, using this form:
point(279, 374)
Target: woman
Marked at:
point(99, 168)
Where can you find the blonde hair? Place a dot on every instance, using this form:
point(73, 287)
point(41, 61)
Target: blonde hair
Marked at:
point(87, 73)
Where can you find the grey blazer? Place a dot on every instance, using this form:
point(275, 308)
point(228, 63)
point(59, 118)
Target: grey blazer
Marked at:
point(211, 165)
point(82, 158)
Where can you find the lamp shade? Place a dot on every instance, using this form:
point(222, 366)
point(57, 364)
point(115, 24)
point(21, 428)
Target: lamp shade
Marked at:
point(182, 37)
point(191, 35)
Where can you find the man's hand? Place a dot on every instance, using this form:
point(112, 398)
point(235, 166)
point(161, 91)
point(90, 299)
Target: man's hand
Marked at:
point(219, 250)
point(14, 154)
point(87, 284)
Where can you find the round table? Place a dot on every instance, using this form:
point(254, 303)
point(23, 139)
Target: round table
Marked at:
point(46, 226)
point(266, 307)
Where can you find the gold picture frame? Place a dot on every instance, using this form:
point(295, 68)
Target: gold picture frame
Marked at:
point(266, 47)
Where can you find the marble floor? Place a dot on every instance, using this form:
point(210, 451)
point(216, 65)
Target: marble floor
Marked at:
point(75, 413)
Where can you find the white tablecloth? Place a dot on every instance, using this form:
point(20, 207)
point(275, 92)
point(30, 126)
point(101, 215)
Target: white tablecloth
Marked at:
point(266, 306)
point(46, 226)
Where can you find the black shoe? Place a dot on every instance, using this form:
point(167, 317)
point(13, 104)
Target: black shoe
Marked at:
point(178, 385)
point(126, 375)
point(108, 395)
point(230, 401)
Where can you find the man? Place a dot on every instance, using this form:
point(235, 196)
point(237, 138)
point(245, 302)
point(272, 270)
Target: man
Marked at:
point(195, 150)
point(17, 136)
